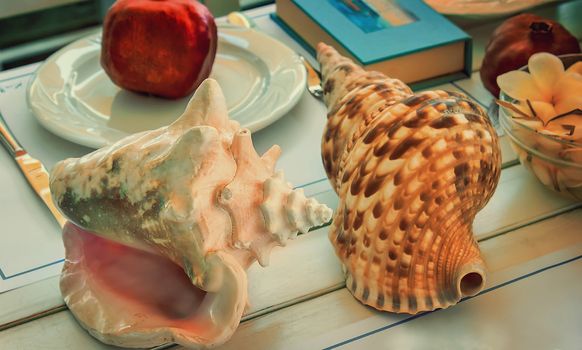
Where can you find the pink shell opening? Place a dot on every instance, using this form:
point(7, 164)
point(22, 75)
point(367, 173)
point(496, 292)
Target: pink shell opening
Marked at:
point(146, 290)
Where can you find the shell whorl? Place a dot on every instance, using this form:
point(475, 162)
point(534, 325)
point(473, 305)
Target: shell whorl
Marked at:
point(288, 212)
point(411, 171)
point(347, 89)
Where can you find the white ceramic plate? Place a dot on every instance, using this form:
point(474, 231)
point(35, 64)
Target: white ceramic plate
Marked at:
point(480, 8)
point(72, 96)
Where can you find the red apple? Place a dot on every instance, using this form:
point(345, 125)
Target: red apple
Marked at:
point(160, 47)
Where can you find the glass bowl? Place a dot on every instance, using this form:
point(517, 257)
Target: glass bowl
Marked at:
point(555, 162)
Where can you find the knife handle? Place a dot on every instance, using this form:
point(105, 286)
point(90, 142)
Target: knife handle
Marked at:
point(8, 140)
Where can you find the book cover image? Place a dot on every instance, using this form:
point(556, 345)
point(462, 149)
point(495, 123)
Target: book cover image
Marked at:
point(372, 15)
point(360, 14)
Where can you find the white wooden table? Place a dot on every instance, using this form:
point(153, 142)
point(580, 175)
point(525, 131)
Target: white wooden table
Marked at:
point(531, 239)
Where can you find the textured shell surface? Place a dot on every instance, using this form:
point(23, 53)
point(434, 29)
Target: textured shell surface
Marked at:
point(411, 172)
point(163, 225)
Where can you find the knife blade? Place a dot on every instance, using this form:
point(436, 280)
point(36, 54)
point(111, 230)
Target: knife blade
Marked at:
point(32, 168)
point(313, 79)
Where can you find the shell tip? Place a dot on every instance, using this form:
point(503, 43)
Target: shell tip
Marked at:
point(270, 157)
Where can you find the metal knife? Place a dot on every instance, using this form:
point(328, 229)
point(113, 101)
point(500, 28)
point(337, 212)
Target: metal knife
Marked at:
point(313, 79)
point(32, 168)
point(313, 76)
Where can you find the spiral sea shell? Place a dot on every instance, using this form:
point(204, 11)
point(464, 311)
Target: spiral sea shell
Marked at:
point(411, 172)
point(165, 224)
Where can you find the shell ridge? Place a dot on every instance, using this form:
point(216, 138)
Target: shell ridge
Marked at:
point(342, 127)
point(366, 127)
point(412, 195)
point(465, 232)
point(350, 154)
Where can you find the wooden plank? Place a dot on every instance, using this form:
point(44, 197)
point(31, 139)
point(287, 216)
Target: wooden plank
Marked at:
point(474, 88)
point(518, 201)
point(34, 300)
point(30, 302)
point(307, 267)
point(503, 317)
point(21, 306)
point(507, 256)
point(55, 332)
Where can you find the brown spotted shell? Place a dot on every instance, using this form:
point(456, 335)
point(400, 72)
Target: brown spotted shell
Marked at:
point(411, 171)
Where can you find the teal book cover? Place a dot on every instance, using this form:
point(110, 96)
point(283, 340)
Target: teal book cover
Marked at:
point(378, 30)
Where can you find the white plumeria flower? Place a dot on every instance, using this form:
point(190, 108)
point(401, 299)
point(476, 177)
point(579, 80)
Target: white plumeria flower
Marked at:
point(546, 92)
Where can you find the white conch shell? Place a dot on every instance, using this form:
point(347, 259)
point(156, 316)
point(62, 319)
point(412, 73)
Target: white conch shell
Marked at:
point(411, 172)
point(194, 194)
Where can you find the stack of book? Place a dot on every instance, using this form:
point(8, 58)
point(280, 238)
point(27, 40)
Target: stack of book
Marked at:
point(404, 39)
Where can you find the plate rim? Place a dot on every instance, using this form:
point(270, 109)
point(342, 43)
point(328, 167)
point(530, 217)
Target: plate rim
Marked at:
point(95, 141)
point(500, 11)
